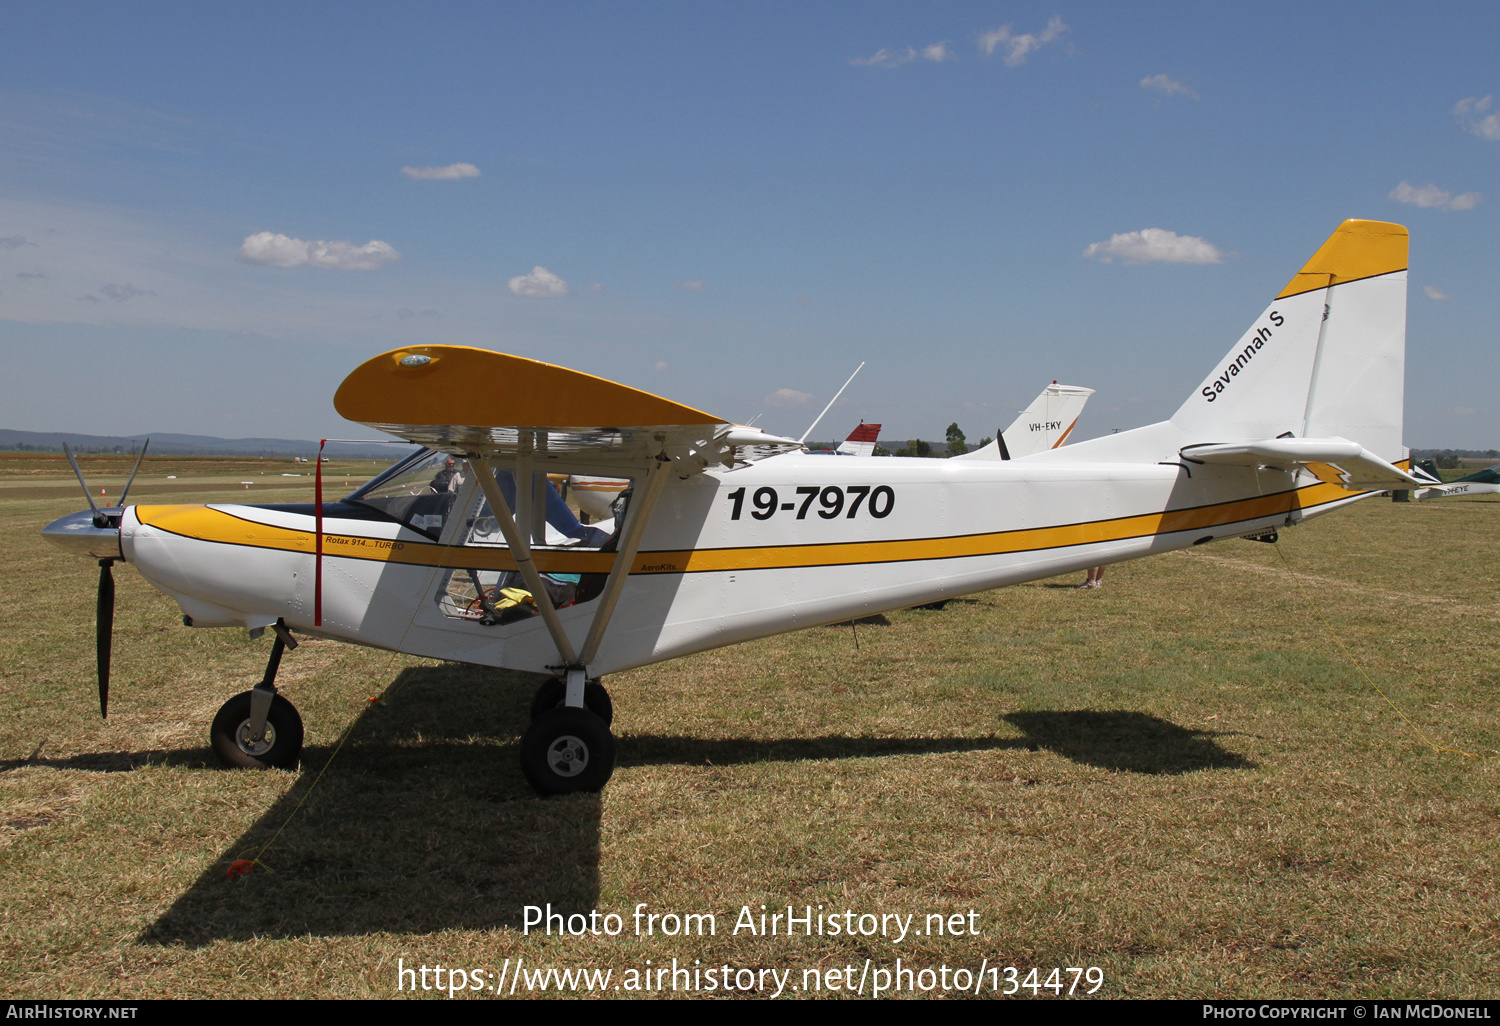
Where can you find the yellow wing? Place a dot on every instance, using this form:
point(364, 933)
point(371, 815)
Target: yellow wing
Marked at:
point(475, 402)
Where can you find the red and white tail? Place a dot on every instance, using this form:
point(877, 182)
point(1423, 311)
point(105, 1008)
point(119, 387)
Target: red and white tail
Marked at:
point(861, 441)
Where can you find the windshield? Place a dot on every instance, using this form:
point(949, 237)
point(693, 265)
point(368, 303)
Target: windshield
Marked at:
point(419, 491)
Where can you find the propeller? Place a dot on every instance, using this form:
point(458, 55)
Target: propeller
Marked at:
point(104, 630)
point(104, 608)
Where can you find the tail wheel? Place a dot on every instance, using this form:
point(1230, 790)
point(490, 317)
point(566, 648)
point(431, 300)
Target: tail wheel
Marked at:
point(279, 747)
point(567, 751)
point(553, 693)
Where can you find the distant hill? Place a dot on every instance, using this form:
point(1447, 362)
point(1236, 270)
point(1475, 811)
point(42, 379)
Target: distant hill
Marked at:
point(193, 445)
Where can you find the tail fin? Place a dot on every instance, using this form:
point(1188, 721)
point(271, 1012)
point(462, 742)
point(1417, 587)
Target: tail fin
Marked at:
point(1043, 425)
point(861, 441)
point(1325, 360)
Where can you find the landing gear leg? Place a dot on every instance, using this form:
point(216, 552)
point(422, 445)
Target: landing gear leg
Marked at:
point(554, 692)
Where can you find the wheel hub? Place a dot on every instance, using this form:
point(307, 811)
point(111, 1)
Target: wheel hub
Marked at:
point(257, 748)
point(568, 756)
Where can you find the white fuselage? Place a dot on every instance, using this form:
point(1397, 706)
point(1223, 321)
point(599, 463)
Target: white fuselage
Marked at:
point(722, 560)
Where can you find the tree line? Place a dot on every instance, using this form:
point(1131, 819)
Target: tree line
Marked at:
point(956, 444)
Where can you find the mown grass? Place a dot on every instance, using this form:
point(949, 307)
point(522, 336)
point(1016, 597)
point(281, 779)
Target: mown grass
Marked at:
point(1180, 778)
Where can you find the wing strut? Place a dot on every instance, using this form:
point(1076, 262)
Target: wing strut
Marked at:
point(520, 549)
point(639, 515)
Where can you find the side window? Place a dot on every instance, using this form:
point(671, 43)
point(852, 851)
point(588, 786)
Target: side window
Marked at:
point(561, 512)
point(558, 513)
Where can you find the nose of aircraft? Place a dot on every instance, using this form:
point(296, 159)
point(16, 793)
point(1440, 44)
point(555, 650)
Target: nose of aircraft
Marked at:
point(87, 533)
point(95, 534)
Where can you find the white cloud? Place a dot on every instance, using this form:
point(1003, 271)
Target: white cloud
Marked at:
point(1430, 195)
point(1464, 411)
point(688, 286)
point(1169, 86)
point(446, 173)
point(14, 242)
point(1155, 245)
point(276, 250)
point(1474, 114)
point(1432, 293)
point(784, 397)
point(662, 365)
point(539, 284)
point(1018, 47)
point(884, 58)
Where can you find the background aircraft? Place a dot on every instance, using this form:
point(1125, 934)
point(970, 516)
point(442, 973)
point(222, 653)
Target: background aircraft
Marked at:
point(1485, 482)
point(861, 442)
point(1043, 425)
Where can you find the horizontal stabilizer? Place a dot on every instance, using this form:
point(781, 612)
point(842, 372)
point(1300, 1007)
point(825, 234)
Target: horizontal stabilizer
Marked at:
point(1333, 460)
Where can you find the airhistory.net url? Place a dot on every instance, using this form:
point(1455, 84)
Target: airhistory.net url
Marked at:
point(517, 977)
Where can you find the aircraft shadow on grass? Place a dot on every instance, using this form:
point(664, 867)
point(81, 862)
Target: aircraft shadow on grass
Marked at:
point(424, 822)
point(1130, 741)
point(119, 762)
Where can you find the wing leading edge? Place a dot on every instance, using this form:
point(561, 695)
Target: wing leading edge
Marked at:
point(476, 402)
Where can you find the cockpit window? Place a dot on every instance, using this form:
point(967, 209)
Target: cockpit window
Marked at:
point(419, 491)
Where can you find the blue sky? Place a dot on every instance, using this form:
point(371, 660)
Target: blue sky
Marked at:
point(205, 223)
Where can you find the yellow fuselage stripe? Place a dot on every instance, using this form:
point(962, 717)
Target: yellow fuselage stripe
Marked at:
point(212, 525)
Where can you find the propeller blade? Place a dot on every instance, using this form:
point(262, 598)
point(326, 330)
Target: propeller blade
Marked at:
point(132, 473)
point(69, 453)
point(104, 630)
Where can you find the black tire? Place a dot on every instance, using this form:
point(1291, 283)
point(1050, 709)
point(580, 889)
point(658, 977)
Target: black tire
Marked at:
point(554, 692)
point(281, 748)
point(566, 751)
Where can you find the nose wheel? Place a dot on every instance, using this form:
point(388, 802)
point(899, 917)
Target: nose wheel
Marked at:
point(277, 746)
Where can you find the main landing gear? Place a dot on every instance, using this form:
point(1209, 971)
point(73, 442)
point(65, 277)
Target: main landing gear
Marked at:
point(568, 748)
point(259, 729)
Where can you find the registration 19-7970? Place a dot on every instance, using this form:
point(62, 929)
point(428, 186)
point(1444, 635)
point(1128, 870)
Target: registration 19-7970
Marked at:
point(832, 501)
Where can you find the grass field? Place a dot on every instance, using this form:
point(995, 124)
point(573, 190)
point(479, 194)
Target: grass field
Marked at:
point(1180, 779)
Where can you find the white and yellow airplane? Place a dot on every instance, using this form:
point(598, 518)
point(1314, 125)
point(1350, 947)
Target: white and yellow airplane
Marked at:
point(728, 534)
point(1045, 424)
